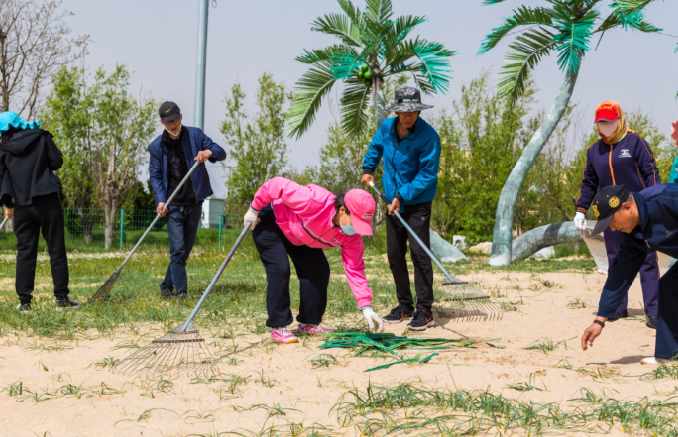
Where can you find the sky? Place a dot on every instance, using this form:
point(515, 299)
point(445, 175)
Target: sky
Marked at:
point(157, 40)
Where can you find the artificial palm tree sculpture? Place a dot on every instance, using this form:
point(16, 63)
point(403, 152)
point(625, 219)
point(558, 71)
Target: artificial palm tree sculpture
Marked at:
point(564, 27)
point(373, 46)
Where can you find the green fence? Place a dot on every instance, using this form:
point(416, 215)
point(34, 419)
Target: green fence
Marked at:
point(86, 230)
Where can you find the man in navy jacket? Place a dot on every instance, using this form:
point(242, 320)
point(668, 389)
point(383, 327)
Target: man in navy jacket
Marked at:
point(649, 221)
point(172, 154)
point(411, 151)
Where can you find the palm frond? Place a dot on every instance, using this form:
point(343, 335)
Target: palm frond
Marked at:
point(573, 41)
point(340, 26)
point(313, 56)
point(354, 104)
point(379, 11)
point(357, 17)
point(610, 22)
point(308, 93)
point(433, 61)
point(527, 51)
point(397, 33)
point(343, 64)
point(523, 16)
point(492, 2)
point(633, 17)
point(630, 6)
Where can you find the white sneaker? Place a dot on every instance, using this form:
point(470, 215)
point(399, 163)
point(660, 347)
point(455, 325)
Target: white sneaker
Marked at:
point(653, 360)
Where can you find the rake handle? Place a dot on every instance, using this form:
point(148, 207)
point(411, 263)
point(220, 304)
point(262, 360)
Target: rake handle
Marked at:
point(416, 238)
point(157, 217)
point(216, 277)
point(3, 223)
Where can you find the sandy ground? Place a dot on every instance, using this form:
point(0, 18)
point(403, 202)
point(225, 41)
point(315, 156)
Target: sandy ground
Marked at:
point(180, 407)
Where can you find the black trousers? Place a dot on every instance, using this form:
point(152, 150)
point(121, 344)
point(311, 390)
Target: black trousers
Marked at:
point(313, 272)
point(420, 222)
point(44, 214)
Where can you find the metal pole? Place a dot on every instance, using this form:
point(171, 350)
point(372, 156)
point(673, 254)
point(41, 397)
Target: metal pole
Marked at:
point(220, 221)
point(199, 107)
point(122, 225)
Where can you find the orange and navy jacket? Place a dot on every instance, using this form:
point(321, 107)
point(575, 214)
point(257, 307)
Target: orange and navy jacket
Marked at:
point(630, 162)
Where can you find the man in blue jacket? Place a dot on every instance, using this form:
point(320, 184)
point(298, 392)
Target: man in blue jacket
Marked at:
point(411, 151)
point(649, 221)
point(172, 154)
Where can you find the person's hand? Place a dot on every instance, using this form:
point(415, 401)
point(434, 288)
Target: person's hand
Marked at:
point(203, 155)
point(394, 206)
point(9, 213)
point(674, 132)
point(161, 208)
point(591, 333)
point(253, 217)
point(580, 221)
point(375, 322)
point(367, 178)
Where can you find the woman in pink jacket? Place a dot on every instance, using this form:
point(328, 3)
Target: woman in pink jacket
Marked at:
point(298, 221)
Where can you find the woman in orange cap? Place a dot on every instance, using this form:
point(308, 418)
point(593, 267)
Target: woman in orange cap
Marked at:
point(620, 157)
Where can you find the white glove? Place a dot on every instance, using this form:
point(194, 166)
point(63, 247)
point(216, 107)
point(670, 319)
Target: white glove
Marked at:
point(251, 216)
point(580, 221)
point(371, 318)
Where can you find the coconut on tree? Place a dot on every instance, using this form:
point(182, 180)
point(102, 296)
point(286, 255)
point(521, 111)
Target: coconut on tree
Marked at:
point(373, 46)
point(564, 27)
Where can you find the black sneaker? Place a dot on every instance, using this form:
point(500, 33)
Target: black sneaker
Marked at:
point(64, 303)
point(422, 319)
point(397, 314)
point(179, 295)
point(652, 322)
point(24, 308)
point(166, 293)
point(618, 316)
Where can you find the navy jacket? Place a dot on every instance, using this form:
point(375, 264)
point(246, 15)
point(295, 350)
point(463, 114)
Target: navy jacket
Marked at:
point(658, 231)
point(411, 168)
point(193, 141)
point(630, 162)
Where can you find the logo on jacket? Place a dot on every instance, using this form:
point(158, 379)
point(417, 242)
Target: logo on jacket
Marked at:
point(625, 154)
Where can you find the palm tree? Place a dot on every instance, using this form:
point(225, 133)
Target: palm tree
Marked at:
point(373, 46)
point(564, 27)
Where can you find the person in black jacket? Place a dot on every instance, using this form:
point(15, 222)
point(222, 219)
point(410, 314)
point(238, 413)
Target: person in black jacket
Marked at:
point(29, 190)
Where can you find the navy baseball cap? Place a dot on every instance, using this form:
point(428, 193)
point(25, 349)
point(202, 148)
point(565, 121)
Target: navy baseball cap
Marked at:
point(606, 202)
point(169, 111)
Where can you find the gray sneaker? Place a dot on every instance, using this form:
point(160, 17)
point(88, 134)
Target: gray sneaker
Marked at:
point(64, 304)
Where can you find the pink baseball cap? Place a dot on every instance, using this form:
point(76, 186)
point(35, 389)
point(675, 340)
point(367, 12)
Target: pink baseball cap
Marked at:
point(362, 207)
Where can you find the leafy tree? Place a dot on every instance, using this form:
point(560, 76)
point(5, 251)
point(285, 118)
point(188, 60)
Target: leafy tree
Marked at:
point(564, 27)
point(105, 132)
point(373, 47)
point(258, 147)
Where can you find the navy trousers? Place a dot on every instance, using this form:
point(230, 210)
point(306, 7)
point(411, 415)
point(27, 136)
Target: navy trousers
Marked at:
point(313, 272)
point(182, 226)
point(666, 345)
point(649, 273)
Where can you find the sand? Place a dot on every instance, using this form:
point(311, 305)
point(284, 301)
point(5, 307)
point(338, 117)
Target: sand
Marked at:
point(184, 407)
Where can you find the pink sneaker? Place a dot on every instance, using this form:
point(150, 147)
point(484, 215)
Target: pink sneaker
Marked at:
point(312, 329)
point(283, 336)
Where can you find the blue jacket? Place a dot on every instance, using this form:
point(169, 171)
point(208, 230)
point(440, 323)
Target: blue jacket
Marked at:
point(411, 167)
point(193, 141)
point(630, 162)
point(658, 231)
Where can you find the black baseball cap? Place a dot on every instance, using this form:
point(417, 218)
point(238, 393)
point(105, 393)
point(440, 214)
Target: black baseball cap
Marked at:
point(169, 111)
point(606, 202)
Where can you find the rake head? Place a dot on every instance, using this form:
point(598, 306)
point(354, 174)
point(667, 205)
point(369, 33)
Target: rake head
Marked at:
point(470, 303)
point(105, 290)
point(175, 353)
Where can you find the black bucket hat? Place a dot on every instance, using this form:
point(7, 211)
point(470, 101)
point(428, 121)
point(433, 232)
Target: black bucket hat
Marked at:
point(408, 99)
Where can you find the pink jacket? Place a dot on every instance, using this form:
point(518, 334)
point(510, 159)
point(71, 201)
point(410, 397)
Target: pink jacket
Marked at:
point(304, 213)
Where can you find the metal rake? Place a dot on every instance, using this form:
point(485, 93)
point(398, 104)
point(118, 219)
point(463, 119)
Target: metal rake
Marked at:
point(105, 290)
point(469, 302)
point(2, 225)
point(181, 350)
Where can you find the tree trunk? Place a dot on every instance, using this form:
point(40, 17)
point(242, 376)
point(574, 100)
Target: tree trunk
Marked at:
point(544, 236)
point(378, 99)
point(503, 226)
point(86, 222)
point(109, 225)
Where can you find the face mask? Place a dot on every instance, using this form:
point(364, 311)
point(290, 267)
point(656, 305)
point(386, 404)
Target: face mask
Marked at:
point(607, 128)
point(172, 135)
point(347, 228)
